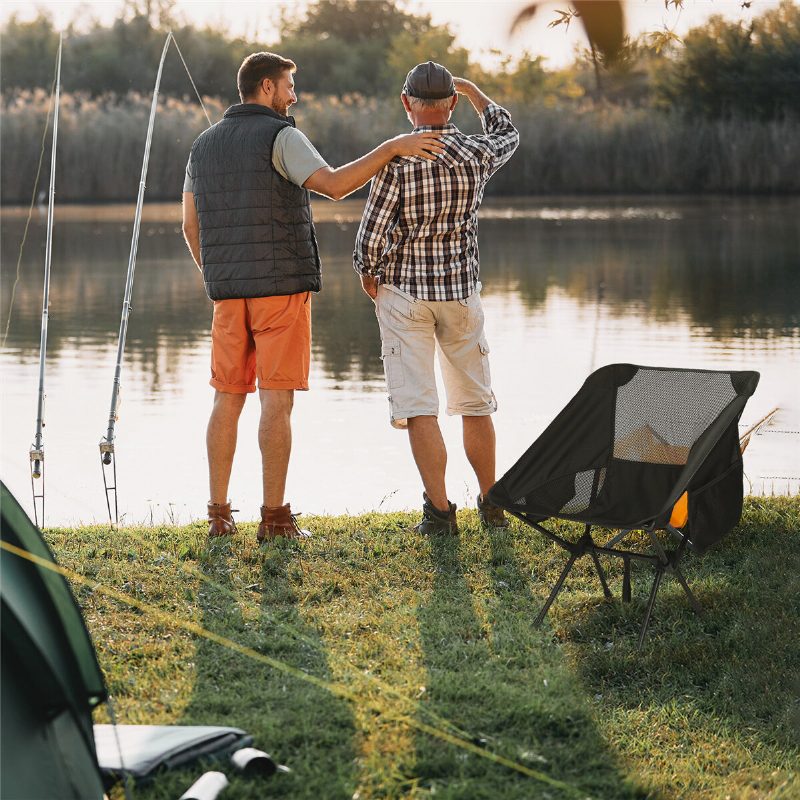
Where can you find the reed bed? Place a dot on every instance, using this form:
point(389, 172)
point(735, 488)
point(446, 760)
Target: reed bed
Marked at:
point(565, 148)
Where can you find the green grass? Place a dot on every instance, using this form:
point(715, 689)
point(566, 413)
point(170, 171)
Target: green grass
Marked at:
point(400, 630)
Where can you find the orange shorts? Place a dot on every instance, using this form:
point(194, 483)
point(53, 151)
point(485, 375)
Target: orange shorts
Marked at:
point(264, 337)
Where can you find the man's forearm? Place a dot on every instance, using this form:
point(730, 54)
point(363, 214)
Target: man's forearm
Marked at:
point(479, 100)
point(346, 179)
point(191, 228)
point(338, 183)
point(192, 237)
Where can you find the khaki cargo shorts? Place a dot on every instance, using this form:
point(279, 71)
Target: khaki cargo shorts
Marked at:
point(411, 331)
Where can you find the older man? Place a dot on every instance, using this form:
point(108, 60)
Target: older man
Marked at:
point(247, 222)
point(417, 254)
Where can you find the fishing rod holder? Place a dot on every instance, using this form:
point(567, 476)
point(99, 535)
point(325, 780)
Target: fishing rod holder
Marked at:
point(37, 472)
point(37, 459)
point(106, 451)
point(108, 460)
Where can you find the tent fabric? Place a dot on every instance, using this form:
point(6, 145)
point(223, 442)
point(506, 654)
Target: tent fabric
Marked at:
point(629, 444)
point(141, 751)
point(50, 676)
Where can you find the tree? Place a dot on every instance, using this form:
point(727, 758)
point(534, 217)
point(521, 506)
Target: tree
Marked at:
point(408, 48)
point(344, 46)
point(28, 53)
point(732, 68)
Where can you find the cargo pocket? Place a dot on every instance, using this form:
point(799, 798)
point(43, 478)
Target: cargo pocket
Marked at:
point(473, 317)
point(392, 364)
point(716, 507)
point(483, 346)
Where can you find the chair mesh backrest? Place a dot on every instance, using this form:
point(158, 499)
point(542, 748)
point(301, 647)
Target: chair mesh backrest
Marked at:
point(660, 414)
point(584, 483)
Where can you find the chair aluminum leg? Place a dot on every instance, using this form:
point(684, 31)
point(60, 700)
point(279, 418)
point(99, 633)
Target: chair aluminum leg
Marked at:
point(601, 575)
point(555, 590)
point(626, 580)
point(698, 609)
point(650, 603)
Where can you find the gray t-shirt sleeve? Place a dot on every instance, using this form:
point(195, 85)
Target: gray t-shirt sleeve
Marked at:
point(294, 157)
point(187, 181)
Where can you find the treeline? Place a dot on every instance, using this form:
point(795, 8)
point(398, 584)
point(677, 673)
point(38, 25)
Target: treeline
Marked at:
point(564, 149)
point(719, 112)
point(724, 68)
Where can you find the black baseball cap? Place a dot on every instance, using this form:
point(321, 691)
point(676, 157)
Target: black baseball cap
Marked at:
point(429, 81)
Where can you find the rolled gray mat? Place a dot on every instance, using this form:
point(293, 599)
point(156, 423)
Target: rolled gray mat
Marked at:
point(254, 763)
point(207, 787)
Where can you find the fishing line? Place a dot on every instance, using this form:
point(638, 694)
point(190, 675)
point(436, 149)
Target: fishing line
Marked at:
point(191, 79)
point(33, 202)
point(334, 688)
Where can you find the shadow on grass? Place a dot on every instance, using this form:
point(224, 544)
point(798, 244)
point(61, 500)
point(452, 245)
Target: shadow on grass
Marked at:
point(506, 684)
point(299, 724)
point(722, 689)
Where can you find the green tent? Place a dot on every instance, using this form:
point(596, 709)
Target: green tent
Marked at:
point(51, 680)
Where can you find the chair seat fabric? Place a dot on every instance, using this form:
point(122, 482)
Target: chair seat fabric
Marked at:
point(630, 443)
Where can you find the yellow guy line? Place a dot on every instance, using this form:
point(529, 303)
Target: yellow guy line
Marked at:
point(340, 660)
point(333, 688)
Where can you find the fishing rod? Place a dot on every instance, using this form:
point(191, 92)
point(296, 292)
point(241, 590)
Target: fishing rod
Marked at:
point(107, 451)
point(37, 448)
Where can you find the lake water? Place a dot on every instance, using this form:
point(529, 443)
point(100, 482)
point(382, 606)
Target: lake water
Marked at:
point(570, 284)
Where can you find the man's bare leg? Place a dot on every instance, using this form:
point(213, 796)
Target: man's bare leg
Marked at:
point(221, 442)
point(479, 445)
point(427, 447)
point(275, 441)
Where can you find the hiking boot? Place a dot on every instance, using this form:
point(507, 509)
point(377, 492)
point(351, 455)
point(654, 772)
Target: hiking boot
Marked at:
point(435, 521)
point(280, 522)
point(220, 521)
point(491, 516)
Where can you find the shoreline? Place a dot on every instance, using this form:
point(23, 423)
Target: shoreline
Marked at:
point(349, 210)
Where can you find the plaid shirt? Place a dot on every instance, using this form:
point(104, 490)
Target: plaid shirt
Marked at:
point(419, 230)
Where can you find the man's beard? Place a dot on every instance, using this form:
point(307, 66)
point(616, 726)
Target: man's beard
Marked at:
point(280, 106)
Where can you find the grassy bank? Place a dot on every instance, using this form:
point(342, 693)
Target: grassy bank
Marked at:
point(564, 149)
point(383, 664)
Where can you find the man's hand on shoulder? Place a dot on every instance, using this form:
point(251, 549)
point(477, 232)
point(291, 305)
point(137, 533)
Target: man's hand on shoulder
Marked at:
point(427, 144)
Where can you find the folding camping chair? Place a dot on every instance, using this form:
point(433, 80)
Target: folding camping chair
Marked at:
point(637, 448)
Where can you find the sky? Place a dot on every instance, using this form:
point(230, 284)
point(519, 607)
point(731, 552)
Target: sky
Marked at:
point(479, 25)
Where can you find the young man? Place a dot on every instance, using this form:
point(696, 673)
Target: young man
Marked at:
point(247, 222)
point(417, 254)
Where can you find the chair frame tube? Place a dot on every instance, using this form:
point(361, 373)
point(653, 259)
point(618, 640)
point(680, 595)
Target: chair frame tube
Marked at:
point(662, 560)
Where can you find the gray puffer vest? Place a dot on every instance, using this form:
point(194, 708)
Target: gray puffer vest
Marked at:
point(257, 237)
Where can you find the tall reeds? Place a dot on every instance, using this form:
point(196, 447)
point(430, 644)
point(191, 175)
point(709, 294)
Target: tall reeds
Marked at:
point(564, 149)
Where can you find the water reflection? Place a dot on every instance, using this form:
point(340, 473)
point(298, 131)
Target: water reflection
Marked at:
point(731, 267)
point(682, 282)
